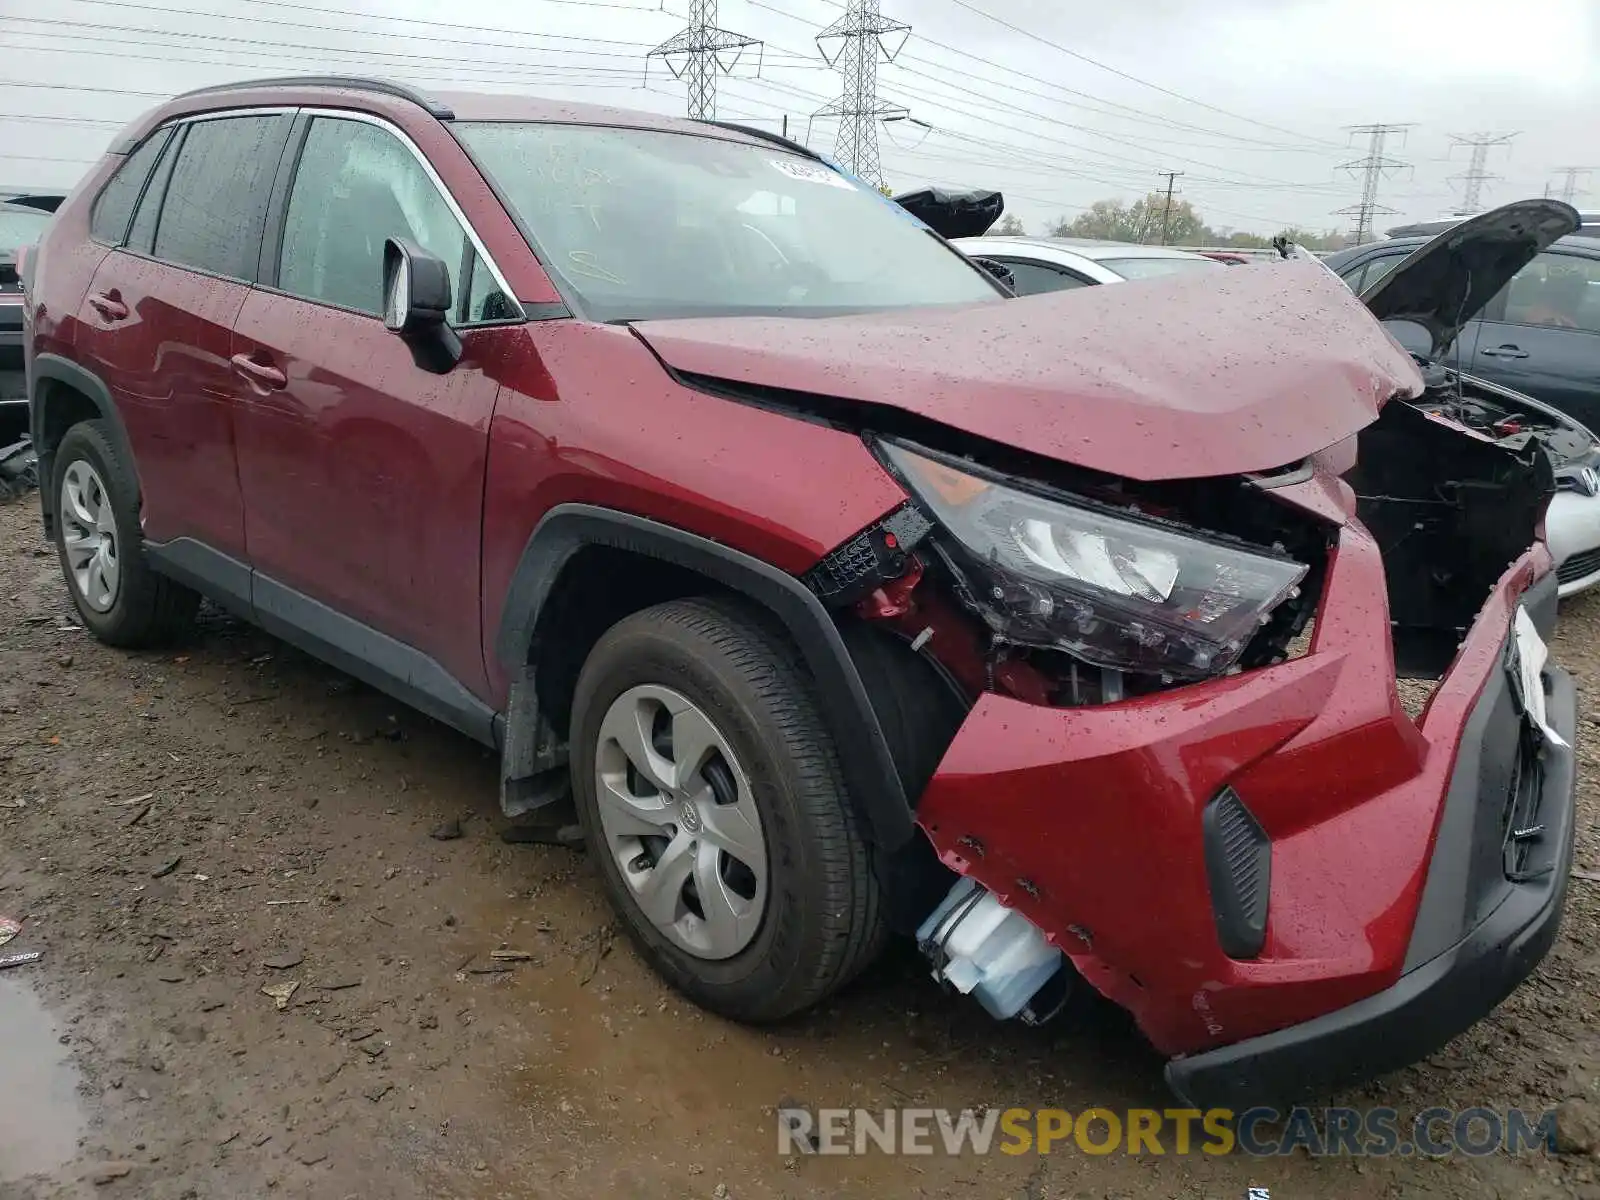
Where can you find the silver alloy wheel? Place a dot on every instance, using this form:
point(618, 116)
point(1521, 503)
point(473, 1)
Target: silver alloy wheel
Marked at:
point(89, 534)
point(680, 821)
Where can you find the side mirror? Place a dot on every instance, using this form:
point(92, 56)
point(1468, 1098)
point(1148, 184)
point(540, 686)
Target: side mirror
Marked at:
point(1000, 271)
point(416, 304)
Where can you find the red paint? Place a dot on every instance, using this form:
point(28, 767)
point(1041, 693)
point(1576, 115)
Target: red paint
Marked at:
point(304, 439)
point(1098, 809)
point(166, 363)
point(587, 415)
point(1284, 359)
point(362, 476)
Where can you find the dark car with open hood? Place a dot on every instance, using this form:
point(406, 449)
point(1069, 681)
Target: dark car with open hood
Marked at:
point(1444, 297)
point(843, 594)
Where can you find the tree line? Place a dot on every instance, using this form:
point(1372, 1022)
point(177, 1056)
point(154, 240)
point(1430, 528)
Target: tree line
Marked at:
point(1143, 221)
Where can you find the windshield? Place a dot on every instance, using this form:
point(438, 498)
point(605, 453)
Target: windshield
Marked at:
point(20, 227)
point(1154, 268)
point(643, 224)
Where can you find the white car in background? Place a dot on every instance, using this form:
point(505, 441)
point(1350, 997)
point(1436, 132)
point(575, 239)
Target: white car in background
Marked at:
point(1040, 264)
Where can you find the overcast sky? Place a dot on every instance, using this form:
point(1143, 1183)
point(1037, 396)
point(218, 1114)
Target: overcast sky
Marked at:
point(1249, 98)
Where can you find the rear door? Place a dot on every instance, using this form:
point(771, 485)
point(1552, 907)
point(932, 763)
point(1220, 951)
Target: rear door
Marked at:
point(1541, 334)
point(158, 319)
point(362, 472)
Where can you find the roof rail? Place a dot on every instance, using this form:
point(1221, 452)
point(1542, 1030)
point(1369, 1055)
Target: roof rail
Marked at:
point(384, 87)
point(765, 136)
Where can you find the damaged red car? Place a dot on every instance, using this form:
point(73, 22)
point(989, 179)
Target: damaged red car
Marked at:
point(841, 592)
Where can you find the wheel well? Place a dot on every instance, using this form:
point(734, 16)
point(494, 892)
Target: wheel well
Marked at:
point(60, 406)
point(599, 586)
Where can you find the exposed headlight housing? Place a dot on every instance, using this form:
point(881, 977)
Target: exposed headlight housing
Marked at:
point(1110, 587)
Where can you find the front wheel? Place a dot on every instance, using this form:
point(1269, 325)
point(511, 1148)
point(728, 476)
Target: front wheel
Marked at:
point(121, 599)
point(710, 793)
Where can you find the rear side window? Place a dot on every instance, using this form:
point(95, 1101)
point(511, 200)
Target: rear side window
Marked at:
point(108, 221)
point(217, 196)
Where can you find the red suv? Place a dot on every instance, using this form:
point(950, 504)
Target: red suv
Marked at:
point(842, 592)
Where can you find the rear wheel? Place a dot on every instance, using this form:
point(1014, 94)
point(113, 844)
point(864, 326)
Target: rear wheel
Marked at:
point(121, 599)
point(710, 792)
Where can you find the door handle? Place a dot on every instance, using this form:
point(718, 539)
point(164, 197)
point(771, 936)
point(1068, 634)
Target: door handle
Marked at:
point(261, 373)
point(1504, 352)
point(109, 306)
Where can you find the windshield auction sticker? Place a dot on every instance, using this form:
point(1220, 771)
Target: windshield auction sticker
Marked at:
point(807, 172)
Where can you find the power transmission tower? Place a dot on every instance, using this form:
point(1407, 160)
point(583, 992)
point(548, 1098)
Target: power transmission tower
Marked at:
point(1476, 174)
point(699, 54)
point(1372, 168)
point(863, 34)
point(1166, 213)
point(1570, 190)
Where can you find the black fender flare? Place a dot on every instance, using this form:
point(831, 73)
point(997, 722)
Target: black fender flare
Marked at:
point(869, 770)
point(48, 368)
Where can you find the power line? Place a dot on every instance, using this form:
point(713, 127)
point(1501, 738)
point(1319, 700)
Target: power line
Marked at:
point(1116, 109)
point(1477, 173)
point(1570, 190)
point(1121, 74)
point(700, 53)
point(1374, 167)
point(345, 12)
point(861, 36)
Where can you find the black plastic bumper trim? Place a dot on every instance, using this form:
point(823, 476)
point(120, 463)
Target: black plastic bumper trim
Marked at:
point(1427, 1006)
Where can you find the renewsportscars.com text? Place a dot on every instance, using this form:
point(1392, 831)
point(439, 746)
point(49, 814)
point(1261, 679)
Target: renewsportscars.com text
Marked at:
point(1260, 1132)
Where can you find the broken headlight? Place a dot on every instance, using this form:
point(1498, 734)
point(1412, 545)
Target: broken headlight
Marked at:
point(1110, 588)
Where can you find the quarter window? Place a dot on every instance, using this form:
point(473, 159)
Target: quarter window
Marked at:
point(356, 186)
point(216, 198)
point(108, 222)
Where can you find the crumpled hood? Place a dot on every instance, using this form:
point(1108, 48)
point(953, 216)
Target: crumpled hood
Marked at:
point(1214, 373)
point(1446, 283)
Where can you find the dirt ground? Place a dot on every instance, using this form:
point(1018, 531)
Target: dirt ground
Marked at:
point(179, 831)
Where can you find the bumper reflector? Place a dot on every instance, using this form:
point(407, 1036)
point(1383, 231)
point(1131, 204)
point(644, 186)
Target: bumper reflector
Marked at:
point(1239, 868)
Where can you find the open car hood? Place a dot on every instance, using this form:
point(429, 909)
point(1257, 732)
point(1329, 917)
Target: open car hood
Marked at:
point(1200, 374)
point(1446, 283)
point(953, 214)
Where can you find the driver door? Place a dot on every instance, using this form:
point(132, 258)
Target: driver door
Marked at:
point(362, 473)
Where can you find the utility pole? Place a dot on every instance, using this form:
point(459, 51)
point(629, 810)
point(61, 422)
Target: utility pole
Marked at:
point(1476, 174)
point(1166, 213)
point(862, 35)
point(1570, 190)
point(1371, 168)
point(699, 54)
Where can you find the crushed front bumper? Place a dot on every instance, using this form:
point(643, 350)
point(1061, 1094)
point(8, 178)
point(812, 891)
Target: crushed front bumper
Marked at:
point(1090, 822)
point(1448, 990)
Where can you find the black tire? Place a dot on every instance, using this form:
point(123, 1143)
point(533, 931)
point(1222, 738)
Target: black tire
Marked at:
point(824, 919)
point(149, 609)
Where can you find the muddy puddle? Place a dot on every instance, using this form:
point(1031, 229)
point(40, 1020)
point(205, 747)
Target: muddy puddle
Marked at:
point(40, 1120)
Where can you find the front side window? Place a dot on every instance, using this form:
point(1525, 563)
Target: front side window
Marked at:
point(217, 195)
point(643, 223)
point(1554, 291)
point(358, 185)
point(113, 207)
